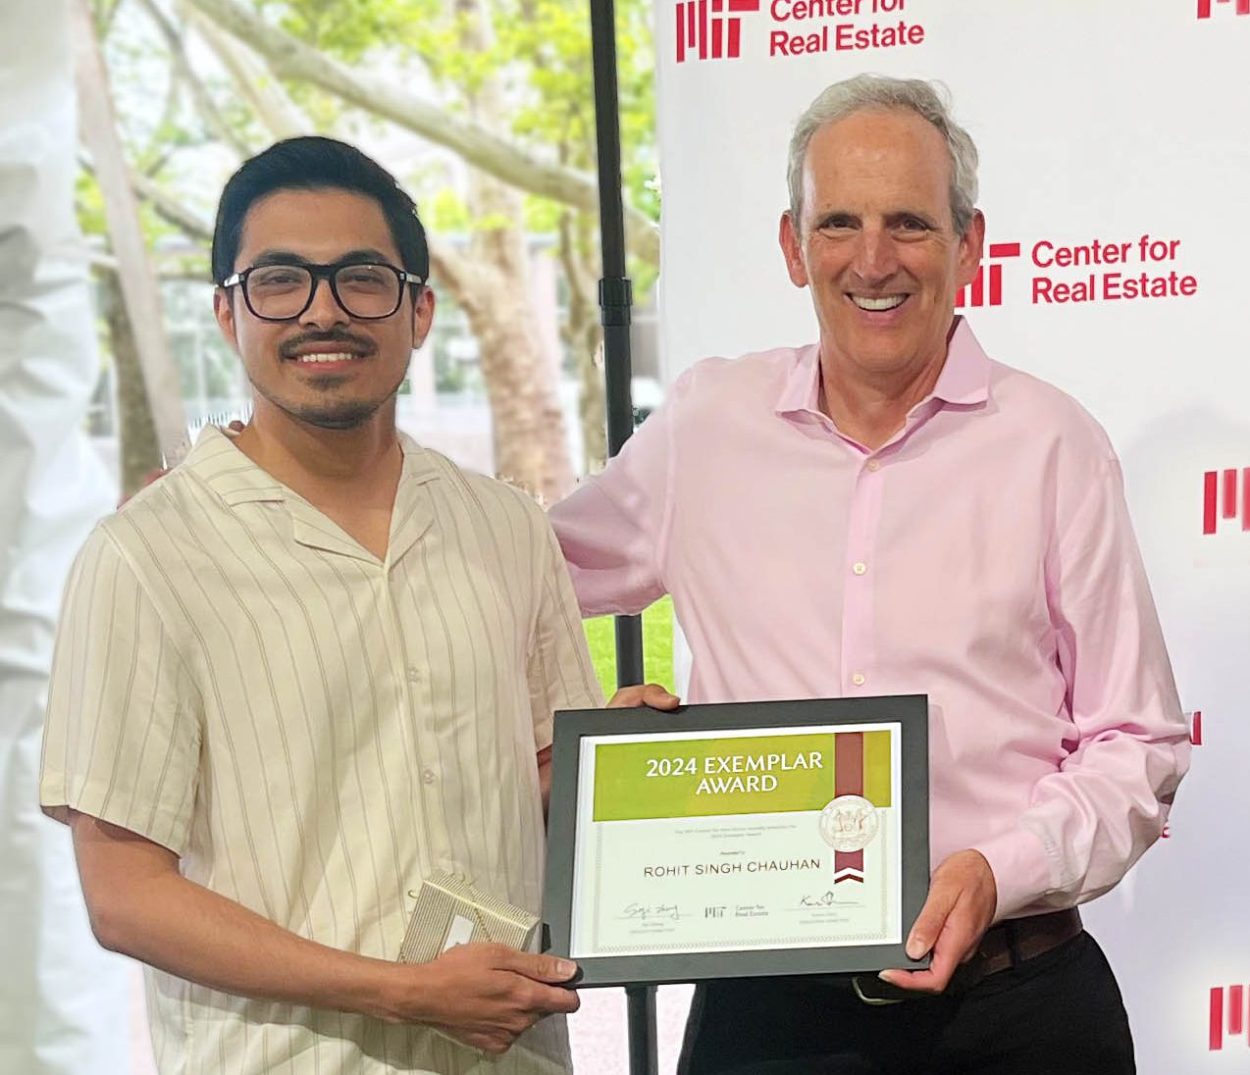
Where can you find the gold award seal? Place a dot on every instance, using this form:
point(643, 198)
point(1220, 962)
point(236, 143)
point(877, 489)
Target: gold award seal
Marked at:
point(849, 823)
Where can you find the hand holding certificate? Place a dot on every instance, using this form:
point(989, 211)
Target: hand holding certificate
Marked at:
point(726, 840)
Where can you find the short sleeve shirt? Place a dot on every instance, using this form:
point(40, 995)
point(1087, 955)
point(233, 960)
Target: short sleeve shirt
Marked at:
point(313, 730)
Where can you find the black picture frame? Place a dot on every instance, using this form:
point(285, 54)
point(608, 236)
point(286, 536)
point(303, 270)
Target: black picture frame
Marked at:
point(910, 712)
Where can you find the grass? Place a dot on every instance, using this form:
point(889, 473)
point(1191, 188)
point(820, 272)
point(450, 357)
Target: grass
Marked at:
point(657, 646)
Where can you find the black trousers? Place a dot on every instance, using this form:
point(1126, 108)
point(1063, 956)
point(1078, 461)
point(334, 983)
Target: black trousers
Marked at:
point(1057, 1014)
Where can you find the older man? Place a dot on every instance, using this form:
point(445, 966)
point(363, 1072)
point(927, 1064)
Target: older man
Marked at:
point(891, 511)
point(313, 664)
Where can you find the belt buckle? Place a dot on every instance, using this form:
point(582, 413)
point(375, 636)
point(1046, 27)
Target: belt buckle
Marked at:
point(874, 1001)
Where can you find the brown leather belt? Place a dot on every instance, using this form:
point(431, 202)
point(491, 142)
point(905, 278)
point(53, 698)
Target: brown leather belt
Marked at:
point(1004, 946)
point(1015, 941)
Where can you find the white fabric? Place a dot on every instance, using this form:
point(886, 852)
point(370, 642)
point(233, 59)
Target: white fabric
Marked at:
point(64, 1003)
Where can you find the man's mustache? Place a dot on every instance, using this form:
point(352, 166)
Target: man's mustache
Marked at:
point(360, 345)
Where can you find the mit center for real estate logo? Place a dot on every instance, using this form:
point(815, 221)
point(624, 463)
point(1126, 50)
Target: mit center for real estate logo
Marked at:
point(1223, 493)
point(1229, 1016)
point(712, 29)
point(1242, 7)
point(986, 288)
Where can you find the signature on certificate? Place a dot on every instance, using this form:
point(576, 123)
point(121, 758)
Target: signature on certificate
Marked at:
point(644, 912)
point(825, 899)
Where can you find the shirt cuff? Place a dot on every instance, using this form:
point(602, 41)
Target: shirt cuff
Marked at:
point(1021, 870)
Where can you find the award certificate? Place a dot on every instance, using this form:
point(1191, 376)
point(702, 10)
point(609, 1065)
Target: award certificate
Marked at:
point(738, 839)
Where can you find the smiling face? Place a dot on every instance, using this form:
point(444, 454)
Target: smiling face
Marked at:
point(877, 246)
point(325, 368)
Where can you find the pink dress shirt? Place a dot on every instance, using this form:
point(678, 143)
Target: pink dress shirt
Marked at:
point(984, 557)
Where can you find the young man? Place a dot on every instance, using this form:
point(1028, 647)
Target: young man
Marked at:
point(312, 664)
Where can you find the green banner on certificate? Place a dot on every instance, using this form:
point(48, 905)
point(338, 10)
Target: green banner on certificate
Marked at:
point(742, 775)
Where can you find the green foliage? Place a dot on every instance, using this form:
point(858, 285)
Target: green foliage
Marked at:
point(657, 646)
point(347, 29)
point(92, 222)
point(90, 204)
point(536, 51)
point(445, 212)
point(552, 38)
point(542, 215)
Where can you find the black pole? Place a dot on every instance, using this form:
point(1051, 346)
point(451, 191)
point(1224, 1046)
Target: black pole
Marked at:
point(615, 299)
point(615, 294)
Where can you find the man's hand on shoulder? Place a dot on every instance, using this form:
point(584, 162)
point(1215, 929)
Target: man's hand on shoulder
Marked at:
point(151, 476)
point(488, 995)
point(157, 473)
point(648, 694)
point(960, 908)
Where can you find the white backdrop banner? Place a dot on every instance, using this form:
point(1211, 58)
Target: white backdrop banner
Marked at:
point(1115, 166)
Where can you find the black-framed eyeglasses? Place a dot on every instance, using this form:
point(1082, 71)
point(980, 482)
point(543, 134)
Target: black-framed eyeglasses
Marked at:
point(367, 291)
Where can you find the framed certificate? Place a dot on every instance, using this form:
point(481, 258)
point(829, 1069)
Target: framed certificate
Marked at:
point(720, 841)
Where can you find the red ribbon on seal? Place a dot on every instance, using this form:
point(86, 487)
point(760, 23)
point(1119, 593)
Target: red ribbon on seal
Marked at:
point(848, 779)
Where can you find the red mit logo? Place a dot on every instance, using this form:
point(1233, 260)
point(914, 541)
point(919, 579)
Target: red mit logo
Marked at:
point(1238, 1008)
point(978, 296)
point(1204, 7)
point(714, 35)
point(1219, 498)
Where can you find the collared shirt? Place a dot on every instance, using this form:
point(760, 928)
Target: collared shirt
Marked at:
point(983, 556)
point(313, 730)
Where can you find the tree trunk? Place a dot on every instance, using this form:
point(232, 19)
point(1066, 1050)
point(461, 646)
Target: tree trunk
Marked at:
point(531, 449)
point(139, 450)
point(584, 335)
point(491, 285)
point(136, 281)
point(592, 405)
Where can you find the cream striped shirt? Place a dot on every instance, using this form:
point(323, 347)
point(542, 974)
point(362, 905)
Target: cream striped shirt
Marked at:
point(312, 730)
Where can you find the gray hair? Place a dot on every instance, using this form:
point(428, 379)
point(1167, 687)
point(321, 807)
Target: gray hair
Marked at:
point(930, 100)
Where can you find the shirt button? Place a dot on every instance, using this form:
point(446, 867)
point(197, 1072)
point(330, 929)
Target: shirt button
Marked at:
point(873, 465)
point(859, 567)
point(858, 679)
point(427, 776)
point(414, 675)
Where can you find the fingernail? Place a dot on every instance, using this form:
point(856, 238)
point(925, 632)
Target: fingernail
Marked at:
point(886, 977)
point(566, 967)
point(915, 948)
